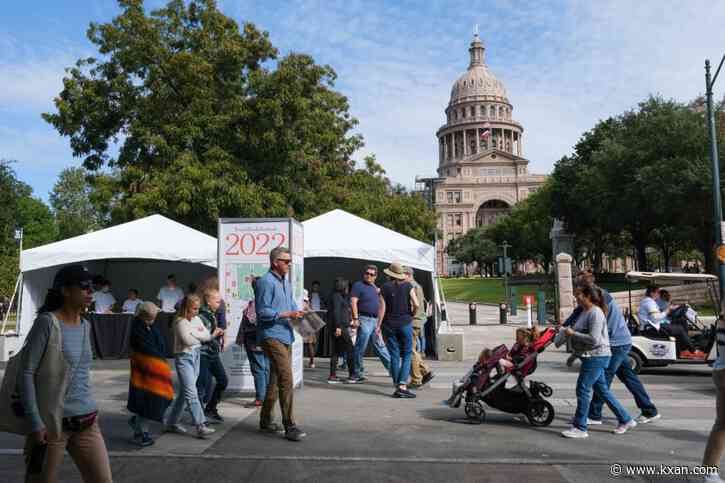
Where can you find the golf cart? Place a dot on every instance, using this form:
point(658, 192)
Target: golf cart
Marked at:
point(660, 351)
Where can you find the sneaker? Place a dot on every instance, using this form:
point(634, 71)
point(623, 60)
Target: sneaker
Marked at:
point(405, 394)
point(258, 403)
point(594, 422)
point(427, 378)
point(203, 431)
point(642, 419)
point(293, 433)
point(312, 365)
point(333, 380)
point(271, 428)
point(352, 380)
point(713, 478)
point(145, 440)
point(175, 428)
point(213, 416)
point(362, 378)
point(623, 428)
point(575, 433)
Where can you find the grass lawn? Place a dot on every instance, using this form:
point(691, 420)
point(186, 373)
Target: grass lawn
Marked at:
point(482, 290)
point(490, 290)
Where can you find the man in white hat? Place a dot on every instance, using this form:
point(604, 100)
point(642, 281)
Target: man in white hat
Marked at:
point(397, 307)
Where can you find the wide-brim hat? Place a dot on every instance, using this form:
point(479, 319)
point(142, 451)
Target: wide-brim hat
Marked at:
point(396, 270)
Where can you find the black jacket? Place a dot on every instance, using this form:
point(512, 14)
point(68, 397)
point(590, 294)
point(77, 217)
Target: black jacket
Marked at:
point(341, 311)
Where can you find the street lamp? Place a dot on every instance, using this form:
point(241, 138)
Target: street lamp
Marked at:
point(716, 197)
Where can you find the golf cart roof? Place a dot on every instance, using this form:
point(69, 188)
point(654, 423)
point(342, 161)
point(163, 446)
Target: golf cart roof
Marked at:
point(659, 277)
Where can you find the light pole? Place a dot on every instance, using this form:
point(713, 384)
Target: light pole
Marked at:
point(716, 197)
point(505, 247)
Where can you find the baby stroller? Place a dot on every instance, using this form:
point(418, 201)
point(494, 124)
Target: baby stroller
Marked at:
point(479, 386)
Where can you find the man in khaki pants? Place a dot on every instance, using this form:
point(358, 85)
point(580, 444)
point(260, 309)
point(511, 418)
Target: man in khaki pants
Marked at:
point(419, 372)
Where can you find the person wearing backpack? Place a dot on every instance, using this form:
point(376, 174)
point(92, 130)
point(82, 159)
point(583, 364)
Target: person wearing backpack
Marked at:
point(59, 407)
point(247, 338)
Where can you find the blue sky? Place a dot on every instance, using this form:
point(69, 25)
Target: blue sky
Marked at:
point(565, 65)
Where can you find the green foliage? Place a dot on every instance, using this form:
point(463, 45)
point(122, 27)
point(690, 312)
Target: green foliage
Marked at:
point(20, 209)
point(71, 200)
point(205, 129)
point(639, 178)
point(475, 247)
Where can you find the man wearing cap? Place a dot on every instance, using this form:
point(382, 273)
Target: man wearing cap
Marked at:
point(395, 320)
point(419, 372)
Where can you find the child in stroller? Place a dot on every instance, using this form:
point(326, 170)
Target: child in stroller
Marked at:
point(486, 381)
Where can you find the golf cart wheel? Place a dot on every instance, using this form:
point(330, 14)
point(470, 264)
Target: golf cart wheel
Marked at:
point(635, 362)
point(540, 412)
point(475, 412)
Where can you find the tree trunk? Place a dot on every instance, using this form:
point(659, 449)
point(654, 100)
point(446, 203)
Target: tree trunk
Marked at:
point(641, 252)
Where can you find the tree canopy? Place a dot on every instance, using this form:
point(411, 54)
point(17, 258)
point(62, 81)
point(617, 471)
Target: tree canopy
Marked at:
point(184, 112)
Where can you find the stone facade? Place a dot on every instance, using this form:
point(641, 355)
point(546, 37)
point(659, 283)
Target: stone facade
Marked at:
point(482, 170)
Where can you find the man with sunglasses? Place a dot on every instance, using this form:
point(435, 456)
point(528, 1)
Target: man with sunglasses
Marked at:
point(275, 307)
point(365, 302)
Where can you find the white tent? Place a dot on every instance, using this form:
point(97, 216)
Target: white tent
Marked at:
point(138, 254)
point(339, 234)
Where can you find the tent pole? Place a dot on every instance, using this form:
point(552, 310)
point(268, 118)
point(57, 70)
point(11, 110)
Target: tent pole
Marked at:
point(10, 305)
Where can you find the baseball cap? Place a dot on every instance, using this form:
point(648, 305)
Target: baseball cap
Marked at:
point(71, 275)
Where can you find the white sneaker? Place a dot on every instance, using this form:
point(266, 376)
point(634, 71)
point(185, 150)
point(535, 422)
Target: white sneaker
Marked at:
point(175, 428)
point(623, 428)
point(575, 433)
point(203, 431)
point(594, 422)
point(642, 419)
point(714, 478)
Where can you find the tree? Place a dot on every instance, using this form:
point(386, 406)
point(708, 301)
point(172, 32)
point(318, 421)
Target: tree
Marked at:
point(20, 210)
point(475, 247)
point(208, 125)
point(72, 204)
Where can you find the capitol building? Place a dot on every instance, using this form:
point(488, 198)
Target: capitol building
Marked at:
point(482, 171)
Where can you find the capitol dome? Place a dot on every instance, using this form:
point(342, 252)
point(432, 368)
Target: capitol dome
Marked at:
point(478, 83)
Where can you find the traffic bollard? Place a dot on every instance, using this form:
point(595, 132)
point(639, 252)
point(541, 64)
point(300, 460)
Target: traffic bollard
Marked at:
point(514, 302)
point(502, 313)
point(472, 313)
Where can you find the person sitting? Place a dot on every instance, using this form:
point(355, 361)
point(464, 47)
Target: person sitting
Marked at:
point(104, 299)
point(654, 322)
point(132, 302)
point(664, 302)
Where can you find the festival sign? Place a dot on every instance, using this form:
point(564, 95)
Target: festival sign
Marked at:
point(243, 254)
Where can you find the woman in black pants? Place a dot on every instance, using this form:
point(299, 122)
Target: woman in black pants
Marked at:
point(341, 332)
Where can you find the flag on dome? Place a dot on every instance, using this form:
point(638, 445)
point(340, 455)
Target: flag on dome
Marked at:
point(486, 131)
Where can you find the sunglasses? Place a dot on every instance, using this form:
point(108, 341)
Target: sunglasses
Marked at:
point(371, 274)
point(285, 260)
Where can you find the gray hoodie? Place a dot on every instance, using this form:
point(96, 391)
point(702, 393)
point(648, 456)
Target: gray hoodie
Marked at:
point(591, 338)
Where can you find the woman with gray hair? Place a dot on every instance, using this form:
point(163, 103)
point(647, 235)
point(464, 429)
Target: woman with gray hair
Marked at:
point(151, 388)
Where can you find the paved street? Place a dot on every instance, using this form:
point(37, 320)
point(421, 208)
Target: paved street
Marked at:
point(360, 433)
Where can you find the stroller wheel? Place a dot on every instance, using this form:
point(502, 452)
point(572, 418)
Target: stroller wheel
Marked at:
point(475, 412)
point(540, 412)
point(545, 390)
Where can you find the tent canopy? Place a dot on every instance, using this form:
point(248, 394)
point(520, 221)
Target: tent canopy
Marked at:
point(153, 238)
point(339, 234)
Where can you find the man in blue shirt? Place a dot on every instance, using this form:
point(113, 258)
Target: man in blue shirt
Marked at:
point(275, 307)
point(365, 304)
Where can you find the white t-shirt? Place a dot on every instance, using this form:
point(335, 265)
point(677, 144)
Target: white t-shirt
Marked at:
point(130, 306)
point(649, 314)
point(104, 301)
point(315, 302)
point(169, 297)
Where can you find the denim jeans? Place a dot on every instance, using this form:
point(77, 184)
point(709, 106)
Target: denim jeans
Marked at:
point(619, 365)
point(592, 379)
point(259, 365)
point(366, 329)
point(399, 341)
point(211, 366)
point(187, 370)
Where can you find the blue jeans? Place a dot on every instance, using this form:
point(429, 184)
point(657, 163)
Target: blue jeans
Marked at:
point(366, 329)
point(187, 370)
point(592, 379)
point(259, 365)
point(618, 365)
point(399, 341)
point(211, 366)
